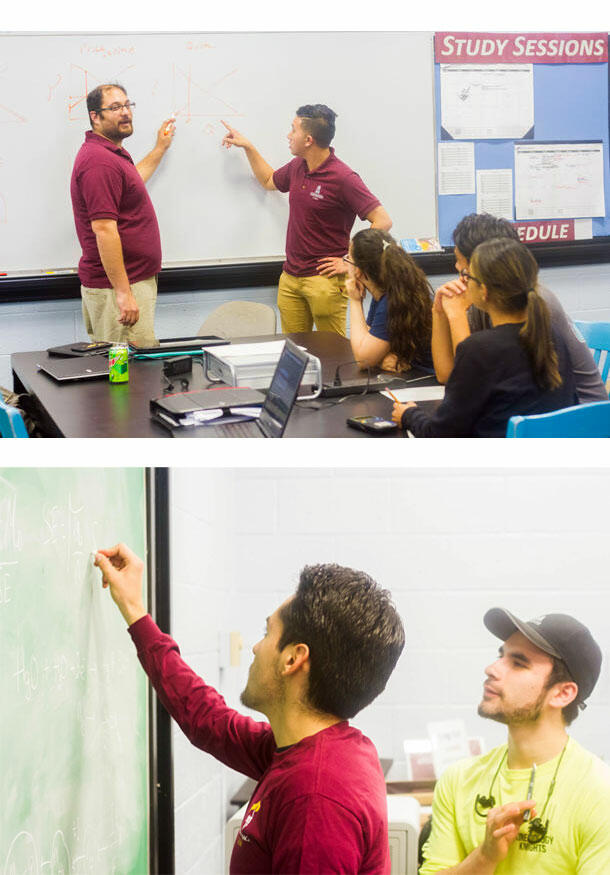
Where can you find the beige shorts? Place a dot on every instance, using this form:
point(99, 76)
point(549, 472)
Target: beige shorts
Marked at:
point(101, 314)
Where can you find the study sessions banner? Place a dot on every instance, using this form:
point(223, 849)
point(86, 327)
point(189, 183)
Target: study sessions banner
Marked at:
point(520, 48)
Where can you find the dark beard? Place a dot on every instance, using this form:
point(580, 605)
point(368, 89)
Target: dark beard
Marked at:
point(518, 717)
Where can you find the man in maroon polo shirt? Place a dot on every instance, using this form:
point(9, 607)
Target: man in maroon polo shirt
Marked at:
point(325, 198)
point(319, 805)
point(116, 222)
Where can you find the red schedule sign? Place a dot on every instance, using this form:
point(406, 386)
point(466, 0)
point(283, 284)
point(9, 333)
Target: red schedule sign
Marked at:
point(545, 232)
point(520, 48)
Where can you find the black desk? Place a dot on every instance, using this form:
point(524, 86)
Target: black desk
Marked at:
point(98, 409)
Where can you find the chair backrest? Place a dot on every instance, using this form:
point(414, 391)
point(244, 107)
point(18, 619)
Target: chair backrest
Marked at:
point(240, 319)
point(584, 420)
point(597, 338)
point(11, 422)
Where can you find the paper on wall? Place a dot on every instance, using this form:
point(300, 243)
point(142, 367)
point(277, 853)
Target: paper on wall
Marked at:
point(495, 193)
point(455, 168)
point(487, 101)
point(559, 180)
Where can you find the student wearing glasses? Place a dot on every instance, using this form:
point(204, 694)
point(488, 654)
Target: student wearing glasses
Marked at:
point(116, 223)
point(540, 803)
point(516, 367)
point(455, 316)
point(325, 196)
point(395, 334)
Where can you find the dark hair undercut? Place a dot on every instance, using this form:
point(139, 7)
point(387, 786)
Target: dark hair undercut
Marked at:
point(353, 632)
point(318, 120)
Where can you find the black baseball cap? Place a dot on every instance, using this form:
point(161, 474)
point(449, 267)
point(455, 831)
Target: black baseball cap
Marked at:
point(559, 635)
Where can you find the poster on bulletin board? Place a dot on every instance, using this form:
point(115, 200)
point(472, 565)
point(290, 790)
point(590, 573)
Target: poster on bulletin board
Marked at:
point(522, 132)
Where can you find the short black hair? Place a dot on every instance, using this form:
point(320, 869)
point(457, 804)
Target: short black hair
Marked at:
point(318, 120)
point(95, 98)
point(477, 228)
point(353, 632)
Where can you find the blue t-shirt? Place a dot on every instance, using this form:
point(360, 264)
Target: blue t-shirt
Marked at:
point(377, 320)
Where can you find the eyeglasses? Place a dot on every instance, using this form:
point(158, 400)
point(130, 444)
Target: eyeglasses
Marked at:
point(347, 259)
point(117, 107)
point(468, 276)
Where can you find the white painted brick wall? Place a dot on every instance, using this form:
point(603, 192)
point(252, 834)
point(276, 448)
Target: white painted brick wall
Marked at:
point(449, 544)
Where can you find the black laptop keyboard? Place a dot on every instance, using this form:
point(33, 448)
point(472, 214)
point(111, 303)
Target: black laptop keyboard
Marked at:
point(236, 430)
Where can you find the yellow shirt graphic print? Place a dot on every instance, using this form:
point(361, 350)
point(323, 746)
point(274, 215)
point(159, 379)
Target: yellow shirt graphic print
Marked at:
point(578, 811)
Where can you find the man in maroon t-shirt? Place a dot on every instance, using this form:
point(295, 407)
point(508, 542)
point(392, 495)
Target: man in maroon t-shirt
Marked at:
point(116, 222)
point(325, 198)
point(319, 805)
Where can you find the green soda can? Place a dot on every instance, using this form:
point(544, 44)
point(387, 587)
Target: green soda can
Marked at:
point(118, 363)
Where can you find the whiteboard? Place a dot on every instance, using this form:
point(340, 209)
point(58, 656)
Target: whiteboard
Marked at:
point(210, 207)
point(73, 697)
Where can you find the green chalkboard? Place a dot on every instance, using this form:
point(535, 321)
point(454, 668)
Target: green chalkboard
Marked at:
point(73, 697)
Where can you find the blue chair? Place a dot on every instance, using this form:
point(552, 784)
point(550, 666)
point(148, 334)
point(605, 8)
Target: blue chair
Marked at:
point(11, 422)
point(582, 421)
point(597, 338)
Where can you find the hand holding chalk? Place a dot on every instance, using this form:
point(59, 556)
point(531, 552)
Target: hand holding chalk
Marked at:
point(122, 572)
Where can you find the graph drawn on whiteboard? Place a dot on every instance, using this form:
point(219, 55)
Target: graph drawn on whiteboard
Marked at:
point(82, 81)
point(191, 100)
point(53, 86)
point(7, 113)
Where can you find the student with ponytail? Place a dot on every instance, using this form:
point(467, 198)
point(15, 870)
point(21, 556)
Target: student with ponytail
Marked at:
point(396, 333)
point(519, 366)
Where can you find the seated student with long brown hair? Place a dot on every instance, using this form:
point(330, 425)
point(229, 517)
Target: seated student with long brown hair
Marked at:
point(396, 333)
point(516, 367)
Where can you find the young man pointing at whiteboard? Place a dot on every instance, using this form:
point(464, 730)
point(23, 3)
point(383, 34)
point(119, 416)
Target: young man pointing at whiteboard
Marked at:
point(325, 198)
point(116, 222)
point(320, 804)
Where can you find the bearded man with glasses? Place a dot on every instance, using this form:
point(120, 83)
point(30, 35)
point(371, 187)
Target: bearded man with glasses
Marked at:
point(116, 223)
point(540, 804)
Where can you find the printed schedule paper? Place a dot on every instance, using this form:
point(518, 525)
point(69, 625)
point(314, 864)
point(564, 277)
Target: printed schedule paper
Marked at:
point(495, 193)
point(559, 180)
point(487, 102)
point(455, 168)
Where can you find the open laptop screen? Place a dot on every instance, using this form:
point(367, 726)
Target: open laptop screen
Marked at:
point(283, 390)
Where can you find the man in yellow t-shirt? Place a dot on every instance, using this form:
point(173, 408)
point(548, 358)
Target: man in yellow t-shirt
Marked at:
point(540, 804)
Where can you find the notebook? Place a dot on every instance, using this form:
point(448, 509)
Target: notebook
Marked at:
point(277, 406)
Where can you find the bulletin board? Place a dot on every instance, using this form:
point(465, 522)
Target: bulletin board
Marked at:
point(569, 84)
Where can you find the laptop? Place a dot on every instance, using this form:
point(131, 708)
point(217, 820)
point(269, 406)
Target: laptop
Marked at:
point(179, 344)
point(80, 368)
point(276, 408)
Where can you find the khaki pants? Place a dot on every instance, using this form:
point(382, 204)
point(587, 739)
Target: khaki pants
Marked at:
point(101, 314)
point(303, 300)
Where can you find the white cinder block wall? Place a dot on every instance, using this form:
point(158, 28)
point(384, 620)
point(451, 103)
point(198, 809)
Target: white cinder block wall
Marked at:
point(448, 544)
point(584, 291)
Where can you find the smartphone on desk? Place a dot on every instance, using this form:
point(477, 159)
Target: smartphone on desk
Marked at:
point(372, 424)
